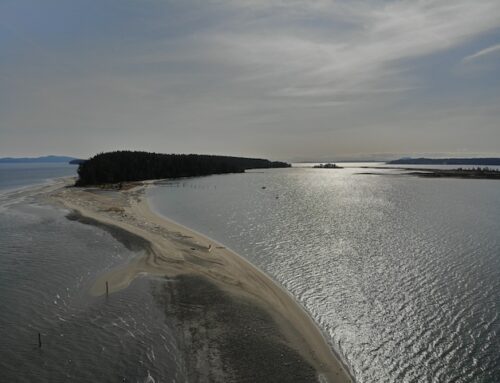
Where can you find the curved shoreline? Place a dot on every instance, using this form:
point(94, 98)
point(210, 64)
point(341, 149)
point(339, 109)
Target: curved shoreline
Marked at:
point(176, 251)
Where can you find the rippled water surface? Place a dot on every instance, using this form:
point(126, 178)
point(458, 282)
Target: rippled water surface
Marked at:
point(47, 265)
point(401, 273)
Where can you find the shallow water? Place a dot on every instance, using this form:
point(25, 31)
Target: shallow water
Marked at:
point(401, 273)
point(158, 329)
point(14, 176)
point(47, 265)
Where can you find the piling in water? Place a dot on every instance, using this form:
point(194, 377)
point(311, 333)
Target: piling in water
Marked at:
point(107, 288)
point(39, 340)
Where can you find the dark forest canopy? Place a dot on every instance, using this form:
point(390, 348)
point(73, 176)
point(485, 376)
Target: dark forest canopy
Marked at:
point(123, 166)
point(447, 161)
point(327, 166)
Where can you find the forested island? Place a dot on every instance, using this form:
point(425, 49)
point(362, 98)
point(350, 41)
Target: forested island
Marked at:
point(447, 161)
point(327, 166)
point(125, 166)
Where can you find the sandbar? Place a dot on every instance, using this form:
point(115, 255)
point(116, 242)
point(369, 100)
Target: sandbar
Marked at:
point(235, 322)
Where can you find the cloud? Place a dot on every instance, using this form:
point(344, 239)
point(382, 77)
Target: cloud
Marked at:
point(340, 48)
point(482, 52)
point(334, 49)
point(259, 76)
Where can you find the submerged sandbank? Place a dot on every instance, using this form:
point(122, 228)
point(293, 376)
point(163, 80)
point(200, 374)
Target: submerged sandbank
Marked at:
point(234, 322)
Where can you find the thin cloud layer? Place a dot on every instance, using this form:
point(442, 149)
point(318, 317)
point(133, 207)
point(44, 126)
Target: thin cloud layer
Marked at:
point(483, 52)
point(274, 78)
point(369, 55)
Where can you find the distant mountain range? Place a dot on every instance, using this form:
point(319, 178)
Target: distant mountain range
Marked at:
point(44, 159)
point(447, 161)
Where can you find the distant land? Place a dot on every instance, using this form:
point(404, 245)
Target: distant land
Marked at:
point(43, 159)
point(478, 173)
point(327, 166)
point(447, 161)
point(126, 166)
point(473, 173)
point(77, 161)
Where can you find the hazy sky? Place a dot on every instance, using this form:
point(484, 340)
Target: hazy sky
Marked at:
point(273, 78)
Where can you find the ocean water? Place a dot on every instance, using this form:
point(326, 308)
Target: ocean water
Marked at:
point(385, 165)
point(14, 176)
point(48, 262)
point(401, 273)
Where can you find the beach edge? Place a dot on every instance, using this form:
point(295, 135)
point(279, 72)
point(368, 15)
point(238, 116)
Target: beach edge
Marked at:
point(179, 250)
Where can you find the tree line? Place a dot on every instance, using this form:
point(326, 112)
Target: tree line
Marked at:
point(123, 166)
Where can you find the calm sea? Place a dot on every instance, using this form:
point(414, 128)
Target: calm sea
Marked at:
point(14, 176)
point(401, 273)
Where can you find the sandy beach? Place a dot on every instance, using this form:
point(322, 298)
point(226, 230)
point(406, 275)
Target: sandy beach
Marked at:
point(235, 323)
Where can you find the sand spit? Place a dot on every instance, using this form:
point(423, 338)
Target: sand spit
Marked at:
point(235, 324)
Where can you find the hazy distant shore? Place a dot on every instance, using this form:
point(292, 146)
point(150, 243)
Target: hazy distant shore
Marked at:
point(235, 324)
point(477, 173)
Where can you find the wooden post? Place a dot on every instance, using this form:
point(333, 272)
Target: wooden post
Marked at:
point(39, 340)
point(107, 288)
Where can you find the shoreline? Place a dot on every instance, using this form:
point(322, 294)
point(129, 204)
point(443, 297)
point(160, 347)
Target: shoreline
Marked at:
point(176, 252)
point(438, 173)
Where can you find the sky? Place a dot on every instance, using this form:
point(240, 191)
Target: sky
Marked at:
point(291, 80)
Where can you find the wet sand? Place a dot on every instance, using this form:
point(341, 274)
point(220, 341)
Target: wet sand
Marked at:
point(234, 323)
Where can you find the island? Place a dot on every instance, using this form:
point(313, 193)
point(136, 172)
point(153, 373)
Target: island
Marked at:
point(127, 166)
point(327, 166)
